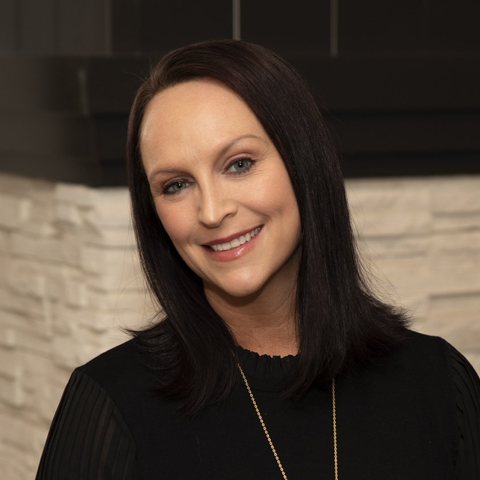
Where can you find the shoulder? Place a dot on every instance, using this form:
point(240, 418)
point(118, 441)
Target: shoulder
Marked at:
point(423, 344)
point(425, 353)
point(429, 372)
point(121, 373)
point(419, 366)
point(421, 352)
point(90, 429)
point(121, 359)
point(455, 384)
point(425, 363)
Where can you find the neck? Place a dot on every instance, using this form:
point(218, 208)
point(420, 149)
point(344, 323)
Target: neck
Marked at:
point(262, 323)
point(277, 340)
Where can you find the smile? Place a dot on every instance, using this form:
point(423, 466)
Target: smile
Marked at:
point(236, 242)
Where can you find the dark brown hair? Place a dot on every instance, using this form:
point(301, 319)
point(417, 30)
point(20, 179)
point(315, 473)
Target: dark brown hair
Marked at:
point(339, 321)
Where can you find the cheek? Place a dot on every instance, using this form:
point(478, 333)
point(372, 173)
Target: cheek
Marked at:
point(175, 223)
point(179, 227)
point(277, 196)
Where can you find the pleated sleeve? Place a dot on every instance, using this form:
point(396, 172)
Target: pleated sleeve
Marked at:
point(467, 386)
point(88, 438)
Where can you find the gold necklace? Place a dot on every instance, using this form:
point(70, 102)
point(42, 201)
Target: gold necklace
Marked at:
point(265, 430)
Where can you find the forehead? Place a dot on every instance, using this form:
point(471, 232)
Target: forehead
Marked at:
point(196, 112)
point(203, 97)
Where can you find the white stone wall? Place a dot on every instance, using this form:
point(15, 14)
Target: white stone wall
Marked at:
point(421, 240)
point(69, 280)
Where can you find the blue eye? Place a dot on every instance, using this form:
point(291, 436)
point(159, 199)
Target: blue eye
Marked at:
point(241, 165)
point(175, 187)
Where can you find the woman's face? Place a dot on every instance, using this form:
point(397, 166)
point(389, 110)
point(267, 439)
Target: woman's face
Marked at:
point(221, 189)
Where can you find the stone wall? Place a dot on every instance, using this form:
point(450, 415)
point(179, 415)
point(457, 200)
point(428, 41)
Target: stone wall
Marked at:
point(69, 280)
point(421, 240)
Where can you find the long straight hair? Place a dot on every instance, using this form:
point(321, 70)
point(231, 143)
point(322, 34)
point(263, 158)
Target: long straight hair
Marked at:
point(339, 321)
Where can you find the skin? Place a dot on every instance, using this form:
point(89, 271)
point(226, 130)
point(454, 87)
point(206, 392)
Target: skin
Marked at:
point(213, 173)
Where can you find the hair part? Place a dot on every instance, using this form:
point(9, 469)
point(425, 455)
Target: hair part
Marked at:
point(339, 321)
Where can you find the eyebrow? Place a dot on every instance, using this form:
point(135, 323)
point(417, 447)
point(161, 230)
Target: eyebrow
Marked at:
point(224, 150)
point(232, 142)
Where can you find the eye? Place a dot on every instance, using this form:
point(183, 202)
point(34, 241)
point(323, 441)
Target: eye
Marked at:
point(240, 165)
point(175, 187)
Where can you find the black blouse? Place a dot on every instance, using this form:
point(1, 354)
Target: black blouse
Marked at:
point(414, 414)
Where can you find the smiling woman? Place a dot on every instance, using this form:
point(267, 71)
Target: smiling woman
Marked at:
point(269, 358)
point(224, 197)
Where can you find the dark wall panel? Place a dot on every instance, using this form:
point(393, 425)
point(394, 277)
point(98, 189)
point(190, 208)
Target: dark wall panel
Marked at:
point(44, 134)
point(52, 27)
point(287, 27)
point(108, 133)
point(40, 83)
point(392, 165)
point(454, 25)
point(166, 25)
point(84, 26)
point(57, 168)
point(401, 95)
point(382, 26)
point(126, 17)
point(397, 26)
point(38, 27)
point(112, 84)
point(395, 84)
point(9, 13)
point(407, 133)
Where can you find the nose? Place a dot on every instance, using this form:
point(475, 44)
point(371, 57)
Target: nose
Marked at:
point(215, 204)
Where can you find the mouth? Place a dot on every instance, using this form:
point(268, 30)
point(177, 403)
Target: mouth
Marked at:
point(235, 242)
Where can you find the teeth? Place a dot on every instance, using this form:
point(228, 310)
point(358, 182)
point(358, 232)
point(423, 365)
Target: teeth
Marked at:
point(236, 242)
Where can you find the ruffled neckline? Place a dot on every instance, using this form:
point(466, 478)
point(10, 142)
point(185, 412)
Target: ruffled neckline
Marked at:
point(263, 371)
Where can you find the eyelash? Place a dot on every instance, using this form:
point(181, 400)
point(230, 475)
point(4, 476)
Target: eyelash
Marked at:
point(166, 191)
point(249, 164)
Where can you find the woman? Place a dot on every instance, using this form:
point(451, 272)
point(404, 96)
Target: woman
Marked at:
point(273, 360)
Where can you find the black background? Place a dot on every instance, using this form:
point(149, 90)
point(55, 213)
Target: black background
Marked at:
point(398, 84)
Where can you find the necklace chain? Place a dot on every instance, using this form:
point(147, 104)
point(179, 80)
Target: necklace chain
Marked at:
point(334, 415)
point(270, 442)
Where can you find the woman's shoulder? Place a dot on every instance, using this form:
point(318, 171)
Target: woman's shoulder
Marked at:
point(120, 372)
point(123, 355)
point(424, 343)
point(427, 352)
point(422, 352)
point(453, 374)
point(91, 435)
point(427, 364)
point(422, 362)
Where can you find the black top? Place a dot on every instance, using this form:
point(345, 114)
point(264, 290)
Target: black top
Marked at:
point(412, 414)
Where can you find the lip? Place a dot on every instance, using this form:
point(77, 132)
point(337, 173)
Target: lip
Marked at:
point(231, 237)
point(234, 253)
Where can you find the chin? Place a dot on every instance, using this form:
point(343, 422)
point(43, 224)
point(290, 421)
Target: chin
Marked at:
point(238, 288)
point(239, 292)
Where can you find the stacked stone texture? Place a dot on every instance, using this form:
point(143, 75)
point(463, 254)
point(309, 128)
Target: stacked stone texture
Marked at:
point(70, 281)
point(420, 239)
